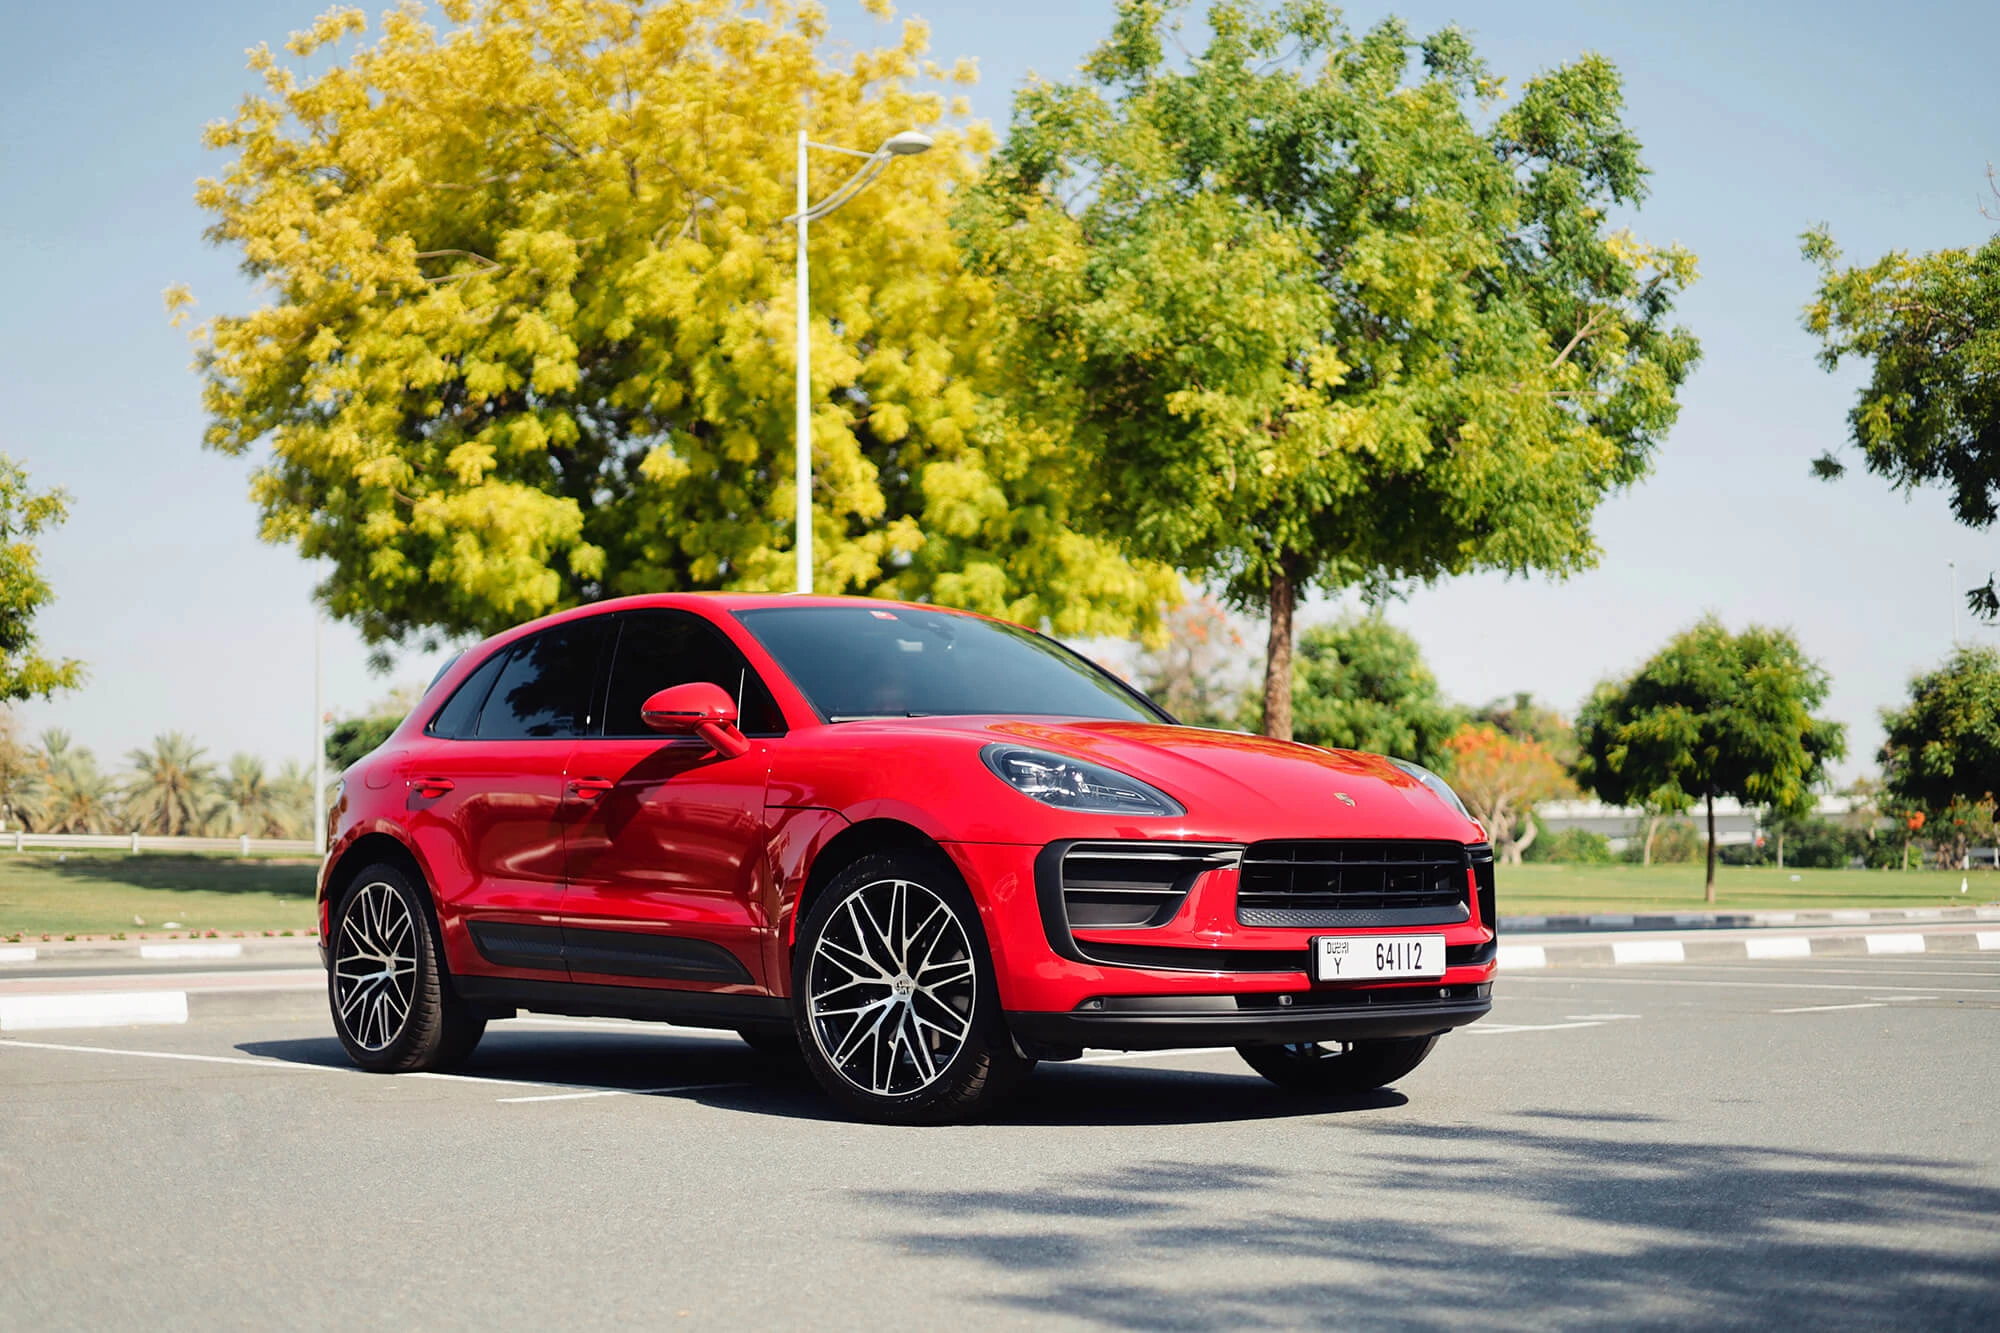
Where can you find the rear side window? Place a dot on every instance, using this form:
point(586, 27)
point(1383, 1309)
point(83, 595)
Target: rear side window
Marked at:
point(458, 717)
point(544, 690)
point(657, 649)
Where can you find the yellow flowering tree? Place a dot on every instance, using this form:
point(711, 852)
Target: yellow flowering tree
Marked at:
point(528, 335)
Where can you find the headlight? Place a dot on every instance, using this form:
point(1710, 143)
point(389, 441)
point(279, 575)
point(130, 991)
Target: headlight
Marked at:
point(1435, 783)
point(1072, 784)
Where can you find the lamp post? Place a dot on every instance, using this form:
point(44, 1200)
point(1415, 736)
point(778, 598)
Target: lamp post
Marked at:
point(896, 145)
point(1952, 565)
point(319, 735)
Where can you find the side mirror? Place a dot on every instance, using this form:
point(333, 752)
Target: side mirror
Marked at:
point(698, 708)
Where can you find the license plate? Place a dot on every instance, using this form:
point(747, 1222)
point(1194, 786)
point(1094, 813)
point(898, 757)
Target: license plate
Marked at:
point(1367, 957)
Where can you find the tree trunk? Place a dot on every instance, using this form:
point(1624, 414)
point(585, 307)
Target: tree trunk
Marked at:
point(1278, 655)
point(1711, 847)
point(1652, 830)
point(1781, 846)
point(1525, 841)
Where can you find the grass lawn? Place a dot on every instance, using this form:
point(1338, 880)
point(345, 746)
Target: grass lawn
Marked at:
point(1546, 890)
point(97, 893)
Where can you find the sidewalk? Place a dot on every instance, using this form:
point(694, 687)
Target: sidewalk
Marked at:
point(1601, 921)
point(1896, 933)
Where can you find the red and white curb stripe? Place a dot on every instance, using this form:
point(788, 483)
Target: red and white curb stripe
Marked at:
point(1718, 946)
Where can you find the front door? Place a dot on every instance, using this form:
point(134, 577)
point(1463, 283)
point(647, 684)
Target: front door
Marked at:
point(487, 801)
point(667, 882)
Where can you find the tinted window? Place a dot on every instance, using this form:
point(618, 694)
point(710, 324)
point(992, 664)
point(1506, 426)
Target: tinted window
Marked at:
point(544, 690)
point(657, 649)
point(457, 717)
point(855, 662)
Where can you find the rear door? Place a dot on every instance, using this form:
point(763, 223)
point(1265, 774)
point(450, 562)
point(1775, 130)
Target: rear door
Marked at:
point(667, 882)
point(486, 800)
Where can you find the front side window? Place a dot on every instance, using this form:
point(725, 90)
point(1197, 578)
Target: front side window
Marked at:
point(856, 662)
point(658, 649)
point(544, 690)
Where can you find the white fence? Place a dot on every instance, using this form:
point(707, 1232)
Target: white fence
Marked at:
point(146, 842)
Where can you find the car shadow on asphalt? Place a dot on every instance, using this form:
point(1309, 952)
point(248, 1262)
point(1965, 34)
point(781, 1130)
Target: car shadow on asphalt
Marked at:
point(722, 1072)
point(1503, 1224)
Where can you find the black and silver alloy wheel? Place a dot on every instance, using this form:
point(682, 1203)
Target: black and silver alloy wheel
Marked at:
point(1335, 1068)
point(393, 1005)
point(893, 990)
point(375, 966)
point(894, 998)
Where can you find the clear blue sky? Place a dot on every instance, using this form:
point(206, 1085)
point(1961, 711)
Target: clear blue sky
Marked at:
point(1757, 119)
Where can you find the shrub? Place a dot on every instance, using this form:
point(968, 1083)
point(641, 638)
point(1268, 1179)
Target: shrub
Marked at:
point(1573, 846)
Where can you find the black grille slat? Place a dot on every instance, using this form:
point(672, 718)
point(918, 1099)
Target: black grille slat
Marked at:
point(1307, 877)
point(1120, 886)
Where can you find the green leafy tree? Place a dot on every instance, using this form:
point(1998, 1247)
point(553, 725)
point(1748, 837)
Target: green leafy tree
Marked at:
point(1942, 749)
point(171, 789)
point(1309, 314)
point(1521, 717)
point(527, 338)
point(250, 801)
point(1927, 327)
point(351, 739)
point(19, 772)
point(1361, 684)
point(69, 793)
point(26, 514)
point(1711, 714)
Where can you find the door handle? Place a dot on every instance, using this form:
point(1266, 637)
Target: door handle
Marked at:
point(430, 788)
point(589, 789)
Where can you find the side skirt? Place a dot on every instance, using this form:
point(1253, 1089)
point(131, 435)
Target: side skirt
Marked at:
point(702, 1009)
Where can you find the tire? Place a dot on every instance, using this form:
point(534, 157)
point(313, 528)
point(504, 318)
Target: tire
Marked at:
point(390, 993)
point(1331, 1069)
point(919, 1047)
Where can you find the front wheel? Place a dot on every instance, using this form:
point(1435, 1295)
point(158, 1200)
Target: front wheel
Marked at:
point(393, 1005)
point(1333, 1069)
point(894, 998)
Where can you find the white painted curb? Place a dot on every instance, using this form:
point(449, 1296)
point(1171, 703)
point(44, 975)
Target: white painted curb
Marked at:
point(92, 1009)
point(1895, 943)
point(205, 949)
point(1514, 957)
point(1648, 951)
point(1989, 939)
point(13, 953)
point(1784, 946)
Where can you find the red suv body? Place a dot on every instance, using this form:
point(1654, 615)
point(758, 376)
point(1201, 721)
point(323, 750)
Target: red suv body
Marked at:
point(1076, 869)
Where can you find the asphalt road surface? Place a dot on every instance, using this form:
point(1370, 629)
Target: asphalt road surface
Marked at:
point(1810, 1143)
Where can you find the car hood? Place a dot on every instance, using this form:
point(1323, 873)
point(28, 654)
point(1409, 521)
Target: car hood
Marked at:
point(1234, 786)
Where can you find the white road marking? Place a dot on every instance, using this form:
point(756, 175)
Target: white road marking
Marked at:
point(1598, 1018)
point(1989, 939)
point(1502, 1029)
point(1826, 1008)
point(204, 949)
point(1513, 957)
point(1901, 999)
point(1606, 979)
point(91, 1009)
point(15, 953)
point(618, 1092)
point(1895, 943)
point(1648, 951)
point(1784, 946)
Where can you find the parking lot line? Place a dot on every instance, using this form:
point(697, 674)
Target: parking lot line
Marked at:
point(1828, 1008)
point(1615, 979)
point(619, 1092)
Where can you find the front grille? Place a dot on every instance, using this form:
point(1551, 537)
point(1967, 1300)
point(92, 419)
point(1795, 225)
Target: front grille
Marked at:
point(1353, 882)
point(1132, 885)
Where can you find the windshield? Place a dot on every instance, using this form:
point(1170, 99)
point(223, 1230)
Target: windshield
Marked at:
point(855, 661)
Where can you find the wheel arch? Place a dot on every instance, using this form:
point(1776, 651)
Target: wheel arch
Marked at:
point(365, 851)
point(846, 847)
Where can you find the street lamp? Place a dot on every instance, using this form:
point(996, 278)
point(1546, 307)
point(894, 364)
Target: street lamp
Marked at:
point(896, 145)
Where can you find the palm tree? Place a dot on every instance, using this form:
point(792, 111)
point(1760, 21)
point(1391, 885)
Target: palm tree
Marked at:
point(251, 801)
point(68, 794)
point(172, 787)
point(292, 792)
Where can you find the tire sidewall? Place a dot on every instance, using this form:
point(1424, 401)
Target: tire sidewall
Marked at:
point(404, 1052)
point(985, 1044)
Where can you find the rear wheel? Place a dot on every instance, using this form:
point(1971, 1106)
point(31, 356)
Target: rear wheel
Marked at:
point(1332, 1068)
point(895, 1003)
point(393, 1005)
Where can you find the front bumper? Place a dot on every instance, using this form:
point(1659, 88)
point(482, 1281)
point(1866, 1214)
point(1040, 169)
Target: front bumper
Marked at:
point(1153, 1023)
point(1047, 972)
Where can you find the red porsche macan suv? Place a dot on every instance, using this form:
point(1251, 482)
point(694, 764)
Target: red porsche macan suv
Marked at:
point(922, 849)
